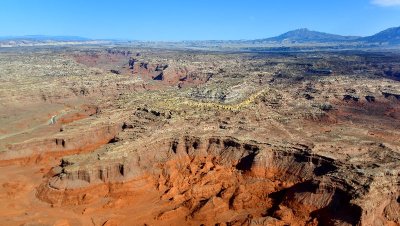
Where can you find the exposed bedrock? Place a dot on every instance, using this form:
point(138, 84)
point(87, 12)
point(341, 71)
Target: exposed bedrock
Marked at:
point(225, 180)
point(81, 141)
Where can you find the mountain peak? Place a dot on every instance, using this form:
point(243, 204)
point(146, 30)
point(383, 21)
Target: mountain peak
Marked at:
point(390, 35)
point(305, 35)
point(302, 29)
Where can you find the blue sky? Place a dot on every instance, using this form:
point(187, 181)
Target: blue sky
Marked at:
point(194, 19)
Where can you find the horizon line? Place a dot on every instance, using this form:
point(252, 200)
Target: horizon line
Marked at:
point(4, 37)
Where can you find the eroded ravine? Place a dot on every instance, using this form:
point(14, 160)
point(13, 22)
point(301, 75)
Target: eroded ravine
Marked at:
point(257, 143)
point(213, 180)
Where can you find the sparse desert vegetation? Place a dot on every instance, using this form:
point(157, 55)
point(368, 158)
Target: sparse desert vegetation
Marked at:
point(98, 135)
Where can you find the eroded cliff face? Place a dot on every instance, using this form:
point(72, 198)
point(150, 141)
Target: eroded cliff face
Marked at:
point(192, 138)
point(222, 180)
point(36, 150)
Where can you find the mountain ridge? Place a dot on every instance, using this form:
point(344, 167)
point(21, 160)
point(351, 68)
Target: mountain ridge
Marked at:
point(390, 36)
point(303, 35)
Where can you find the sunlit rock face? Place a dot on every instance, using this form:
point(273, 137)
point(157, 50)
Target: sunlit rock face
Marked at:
point(220, 138)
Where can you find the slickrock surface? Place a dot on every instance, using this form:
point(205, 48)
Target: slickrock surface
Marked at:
point(121, 136)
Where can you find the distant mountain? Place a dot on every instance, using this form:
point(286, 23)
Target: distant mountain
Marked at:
point(304, 35)
point(299, 37)
point(42, 38)
point(388, 36)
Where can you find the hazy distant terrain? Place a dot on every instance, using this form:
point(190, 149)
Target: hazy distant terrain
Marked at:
point(43, 40)
point(300, 38)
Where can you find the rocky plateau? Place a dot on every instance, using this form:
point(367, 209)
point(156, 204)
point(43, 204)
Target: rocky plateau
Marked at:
point(146, 136)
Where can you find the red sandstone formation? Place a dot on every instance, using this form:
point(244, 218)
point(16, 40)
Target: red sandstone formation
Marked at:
point(217, 139)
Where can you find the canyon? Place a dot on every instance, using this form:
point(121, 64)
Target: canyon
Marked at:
point(100, 135)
